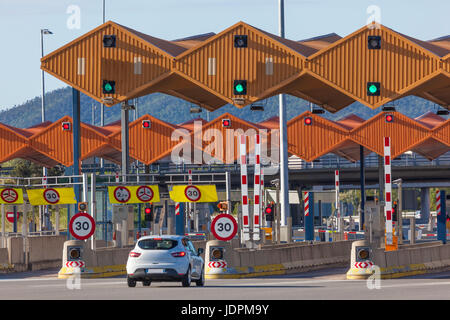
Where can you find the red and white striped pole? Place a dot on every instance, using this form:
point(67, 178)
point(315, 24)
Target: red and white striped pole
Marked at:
point(306, 202)
point(338, 204)
point(177, 208)
point(117, 176)
point(438, 202)
point(244, 188)
point(388, 190)
point(190, 177)
point(257, 189)
point(263, 196)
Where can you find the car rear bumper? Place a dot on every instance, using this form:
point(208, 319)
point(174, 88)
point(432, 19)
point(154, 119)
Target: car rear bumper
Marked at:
point(166, 275)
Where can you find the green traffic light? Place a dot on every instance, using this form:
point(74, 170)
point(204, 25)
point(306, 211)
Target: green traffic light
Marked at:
point(108, 87)
point(373, 89)
point(239, 88)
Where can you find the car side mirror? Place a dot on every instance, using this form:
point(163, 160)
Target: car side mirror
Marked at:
point(200, 251)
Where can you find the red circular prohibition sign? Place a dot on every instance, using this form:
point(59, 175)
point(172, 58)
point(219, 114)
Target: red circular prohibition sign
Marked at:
point(190, 196)
point(83, 231)
point(9, 195)
point(229, 233)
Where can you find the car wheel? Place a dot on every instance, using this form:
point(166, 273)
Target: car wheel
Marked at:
point(186, 282)
point(131, 282)
point(201, 282)
point(146, 283)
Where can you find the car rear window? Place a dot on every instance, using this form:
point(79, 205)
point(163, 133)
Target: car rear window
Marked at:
point(157, 244)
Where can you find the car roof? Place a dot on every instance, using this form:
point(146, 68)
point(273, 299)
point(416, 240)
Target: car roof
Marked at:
point(171, 237)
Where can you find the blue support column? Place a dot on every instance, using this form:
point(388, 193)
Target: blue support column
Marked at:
point(179, 221)
point(139, 217)
point(76, 146)
point(309, 219)
point(441, 220)
point(363, 187)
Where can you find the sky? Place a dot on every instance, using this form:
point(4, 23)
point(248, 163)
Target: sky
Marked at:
point(21, 21)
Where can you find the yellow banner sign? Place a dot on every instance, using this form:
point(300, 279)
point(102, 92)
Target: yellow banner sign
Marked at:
point(133, 194)
point(11, 196)
point(191, 193)
point(49, 196)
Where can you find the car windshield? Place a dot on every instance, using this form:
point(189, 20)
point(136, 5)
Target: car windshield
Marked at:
point(157, 244)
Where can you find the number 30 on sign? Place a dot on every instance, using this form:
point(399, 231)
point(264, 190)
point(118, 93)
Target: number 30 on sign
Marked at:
point(82, 226)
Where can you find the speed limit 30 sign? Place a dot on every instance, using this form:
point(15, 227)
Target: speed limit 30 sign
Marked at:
point(192, 193)
point(82, 226)
point(224, 227)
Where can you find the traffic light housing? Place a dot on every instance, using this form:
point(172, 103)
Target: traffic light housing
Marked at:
point(148, 212)
point(66, 126)
point(373, 89)
point(146, 124)
point(82, 206)
point(374, 42)
point(223, 206)
point(394, 211)
point(389, 118)
point(109, 87)
point(240, 41)
point(109, 41)
point(268, 211)
point(240, 87)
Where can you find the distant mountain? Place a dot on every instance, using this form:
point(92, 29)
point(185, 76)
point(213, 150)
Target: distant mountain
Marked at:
point(174, 110)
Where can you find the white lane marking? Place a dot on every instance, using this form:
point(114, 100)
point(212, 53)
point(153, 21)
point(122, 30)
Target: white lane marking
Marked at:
point(415, 284)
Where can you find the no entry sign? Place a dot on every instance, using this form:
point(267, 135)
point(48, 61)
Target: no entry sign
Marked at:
point(224, 227)
point(82, 226)
point(10, 216)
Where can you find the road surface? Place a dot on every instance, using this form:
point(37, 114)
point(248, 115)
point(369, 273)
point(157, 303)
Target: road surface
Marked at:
point(319, 285)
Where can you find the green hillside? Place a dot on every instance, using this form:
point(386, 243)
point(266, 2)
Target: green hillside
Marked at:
point(174, 110)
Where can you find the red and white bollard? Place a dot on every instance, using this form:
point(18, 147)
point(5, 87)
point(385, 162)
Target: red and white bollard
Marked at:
point(257, 189)
point(388, 191)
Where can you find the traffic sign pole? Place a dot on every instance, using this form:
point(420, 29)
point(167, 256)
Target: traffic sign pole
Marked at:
point(442, 219)
point(388, 191)
point(257, 189)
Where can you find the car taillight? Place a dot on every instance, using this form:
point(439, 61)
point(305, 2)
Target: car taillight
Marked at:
point(178, 254)
point(134, 254)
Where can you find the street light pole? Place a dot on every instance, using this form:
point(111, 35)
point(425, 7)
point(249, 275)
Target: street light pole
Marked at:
point(284, 178)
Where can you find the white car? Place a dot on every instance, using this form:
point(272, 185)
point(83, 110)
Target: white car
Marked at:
point(165, 258)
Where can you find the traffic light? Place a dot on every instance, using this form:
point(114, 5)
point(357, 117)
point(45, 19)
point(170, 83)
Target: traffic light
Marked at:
point(240, 41)
point(226, 123)
point(148, 212)
point(374, 42)
point(240, 87)
point(66, 126)
point(269, 212)
point(394, 211)
point(109, 87)
point(223, 206)
point(308, 121)
point(389, 118)
point(82, 206)
point(373, 89)
point(146, 124)
point(109, 41)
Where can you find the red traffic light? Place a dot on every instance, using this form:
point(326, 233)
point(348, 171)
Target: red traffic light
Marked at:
point(389, 118)
point(308, 121)
point(146, 124)
point(148, 210)
point(226, 123)
point(65, 126)
point(268, 210)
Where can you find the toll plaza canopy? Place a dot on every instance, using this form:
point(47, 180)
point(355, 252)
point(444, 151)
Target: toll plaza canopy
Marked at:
point(243, 64)
point(310, 136)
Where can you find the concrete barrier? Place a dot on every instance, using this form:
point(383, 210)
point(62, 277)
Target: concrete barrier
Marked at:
point(275, 259)
point(4, 260)
point(408, 260)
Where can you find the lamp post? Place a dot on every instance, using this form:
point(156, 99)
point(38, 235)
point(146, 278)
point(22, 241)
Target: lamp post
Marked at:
point(44, 170)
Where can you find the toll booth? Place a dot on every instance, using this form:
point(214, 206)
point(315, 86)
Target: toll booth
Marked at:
point(374, 222)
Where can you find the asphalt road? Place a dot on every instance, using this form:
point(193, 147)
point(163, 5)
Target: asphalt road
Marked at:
point(319, 285)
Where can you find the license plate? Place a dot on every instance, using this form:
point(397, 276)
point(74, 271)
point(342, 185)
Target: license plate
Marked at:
point(154, 271)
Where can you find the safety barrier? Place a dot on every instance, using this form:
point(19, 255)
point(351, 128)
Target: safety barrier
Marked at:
point(224, 260)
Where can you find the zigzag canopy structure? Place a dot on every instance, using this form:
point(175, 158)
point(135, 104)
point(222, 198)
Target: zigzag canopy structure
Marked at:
point(310, 136)
point(241, 65)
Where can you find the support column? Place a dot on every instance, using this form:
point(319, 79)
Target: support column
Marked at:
point(362, 180)
point(76, 118)
point(442, 219)
point(308, 199)
point(125, 140)
point(424, 205)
